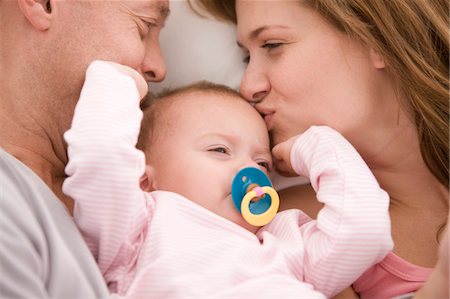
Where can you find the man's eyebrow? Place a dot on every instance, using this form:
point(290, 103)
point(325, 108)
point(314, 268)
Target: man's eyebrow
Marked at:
point(164, 10)
point(161, 7)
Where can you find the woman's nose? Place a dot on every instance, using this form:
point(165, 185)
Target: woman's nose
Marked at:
point(153, 67)
point(254, 85)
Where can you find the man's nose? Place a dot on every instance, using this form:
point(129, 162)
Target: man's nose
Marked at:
point(153, 67)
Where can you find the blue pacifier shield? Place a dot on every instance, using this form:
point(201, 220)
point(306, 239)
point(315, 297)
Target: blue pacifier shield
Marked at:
point(242, 180)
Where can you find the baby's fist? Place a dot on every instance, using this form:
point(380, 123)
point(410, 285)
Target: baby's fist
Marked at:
point(141, 84)
point(282, 157)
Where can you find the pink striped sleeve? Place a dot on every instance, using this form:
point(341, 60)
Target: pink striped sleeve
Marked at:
point(104, 170)
point(352, 231)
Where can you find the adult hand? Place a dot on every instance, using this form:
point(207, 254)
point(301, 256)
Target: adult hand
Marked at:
point(141, 84)
point(282, 157)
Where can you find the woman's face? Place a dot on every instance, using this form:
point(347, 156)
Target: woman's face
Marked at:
point(302, 71)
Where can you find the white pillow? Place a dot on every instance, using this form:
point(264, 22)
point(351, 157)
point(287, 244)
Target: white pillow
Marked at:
point(203, 48)
point(198, 48)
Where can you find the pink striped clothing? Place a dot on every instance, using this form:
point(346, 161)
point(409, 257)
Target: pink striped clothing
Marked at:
point(161, 245)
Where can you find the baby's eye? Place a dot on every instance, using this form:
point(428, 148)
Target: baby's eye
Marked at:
point(264, 164)
point(219, 149)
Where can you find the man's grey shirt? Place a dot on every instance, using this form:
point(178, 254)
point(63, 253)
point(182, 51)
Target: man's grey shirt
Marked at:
point(42, 253)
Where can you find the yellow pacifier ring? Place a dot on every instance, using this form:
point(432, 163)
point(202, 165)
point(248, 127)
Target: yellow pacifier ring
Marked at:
point(263, 218)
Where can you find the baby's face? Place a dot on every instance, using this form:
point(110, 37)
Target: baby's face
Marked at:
point(210, 138)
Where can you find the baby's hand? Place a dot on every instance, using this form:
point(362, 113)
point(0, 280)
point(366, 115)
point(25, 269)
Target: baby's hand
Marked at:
point(282, 157)
point(141, 85)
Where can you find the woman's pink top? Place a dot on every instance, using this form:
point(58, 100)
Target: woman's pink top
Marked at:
point(393, 276)
point(162, 245)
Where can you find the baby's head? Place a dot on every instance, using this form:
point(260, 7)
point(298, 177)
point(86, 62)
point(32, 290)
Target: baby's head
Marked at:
point(196, 139)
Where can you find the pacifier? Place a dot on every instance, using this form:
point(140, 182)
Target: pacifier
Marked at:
point(249, 185)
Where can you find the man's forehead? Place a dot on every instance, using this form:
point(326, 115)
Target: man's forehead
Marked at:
point(155, 10)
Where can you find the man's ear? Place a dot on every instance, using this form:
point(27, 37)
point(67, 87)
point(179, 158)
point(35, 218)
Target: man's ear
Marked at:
point(37, 12)
point(377, 59)
point(146, 180)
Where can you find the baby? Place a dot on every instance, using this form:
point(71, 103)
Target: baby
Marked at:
point(163, 224)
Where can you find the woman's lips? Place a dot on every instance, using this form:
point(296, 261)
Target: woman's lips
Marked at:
point(267, 113)
point(268, 119)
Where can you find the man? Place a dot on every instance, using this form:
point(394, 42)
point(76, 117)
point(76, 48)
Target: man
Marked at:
point(45, 48)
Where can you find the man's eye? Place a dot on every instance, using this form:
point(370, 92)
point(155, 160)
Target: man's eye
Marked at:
point(264, 164)
point(149, 25)
point(145, 26)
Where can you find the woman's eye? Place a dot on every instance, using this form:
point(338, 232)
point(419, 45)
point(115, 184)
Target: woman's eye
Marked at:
point(271, 45)
point(246, 55)
point(266, 165)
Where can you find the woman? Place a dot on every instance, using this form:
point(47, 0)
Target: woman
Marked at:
point(377, 71)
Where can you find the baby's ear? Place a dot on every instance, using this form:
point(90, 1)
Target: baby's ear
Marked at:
point(146, 180)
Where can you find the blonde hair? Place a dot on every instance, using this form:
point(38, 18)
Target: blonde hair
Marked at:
point(155, 107)
point(413, 38)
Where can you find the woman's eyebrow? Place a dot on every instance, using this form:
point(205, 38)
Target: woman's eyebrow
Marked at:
point(254, 34)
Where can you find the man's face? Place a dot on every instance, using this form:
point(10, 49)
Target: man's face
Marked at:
point(126, 32)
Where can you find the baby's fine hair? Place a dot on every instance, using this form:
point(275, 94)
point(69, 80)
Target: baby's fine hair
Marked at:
point(154, 107)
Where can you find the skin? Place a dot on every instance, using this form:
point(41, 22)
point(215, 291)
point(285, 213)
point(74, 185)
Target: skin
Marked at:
point(302, 72)
point(437, 285)
point(213, 137)
point(47, 54)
